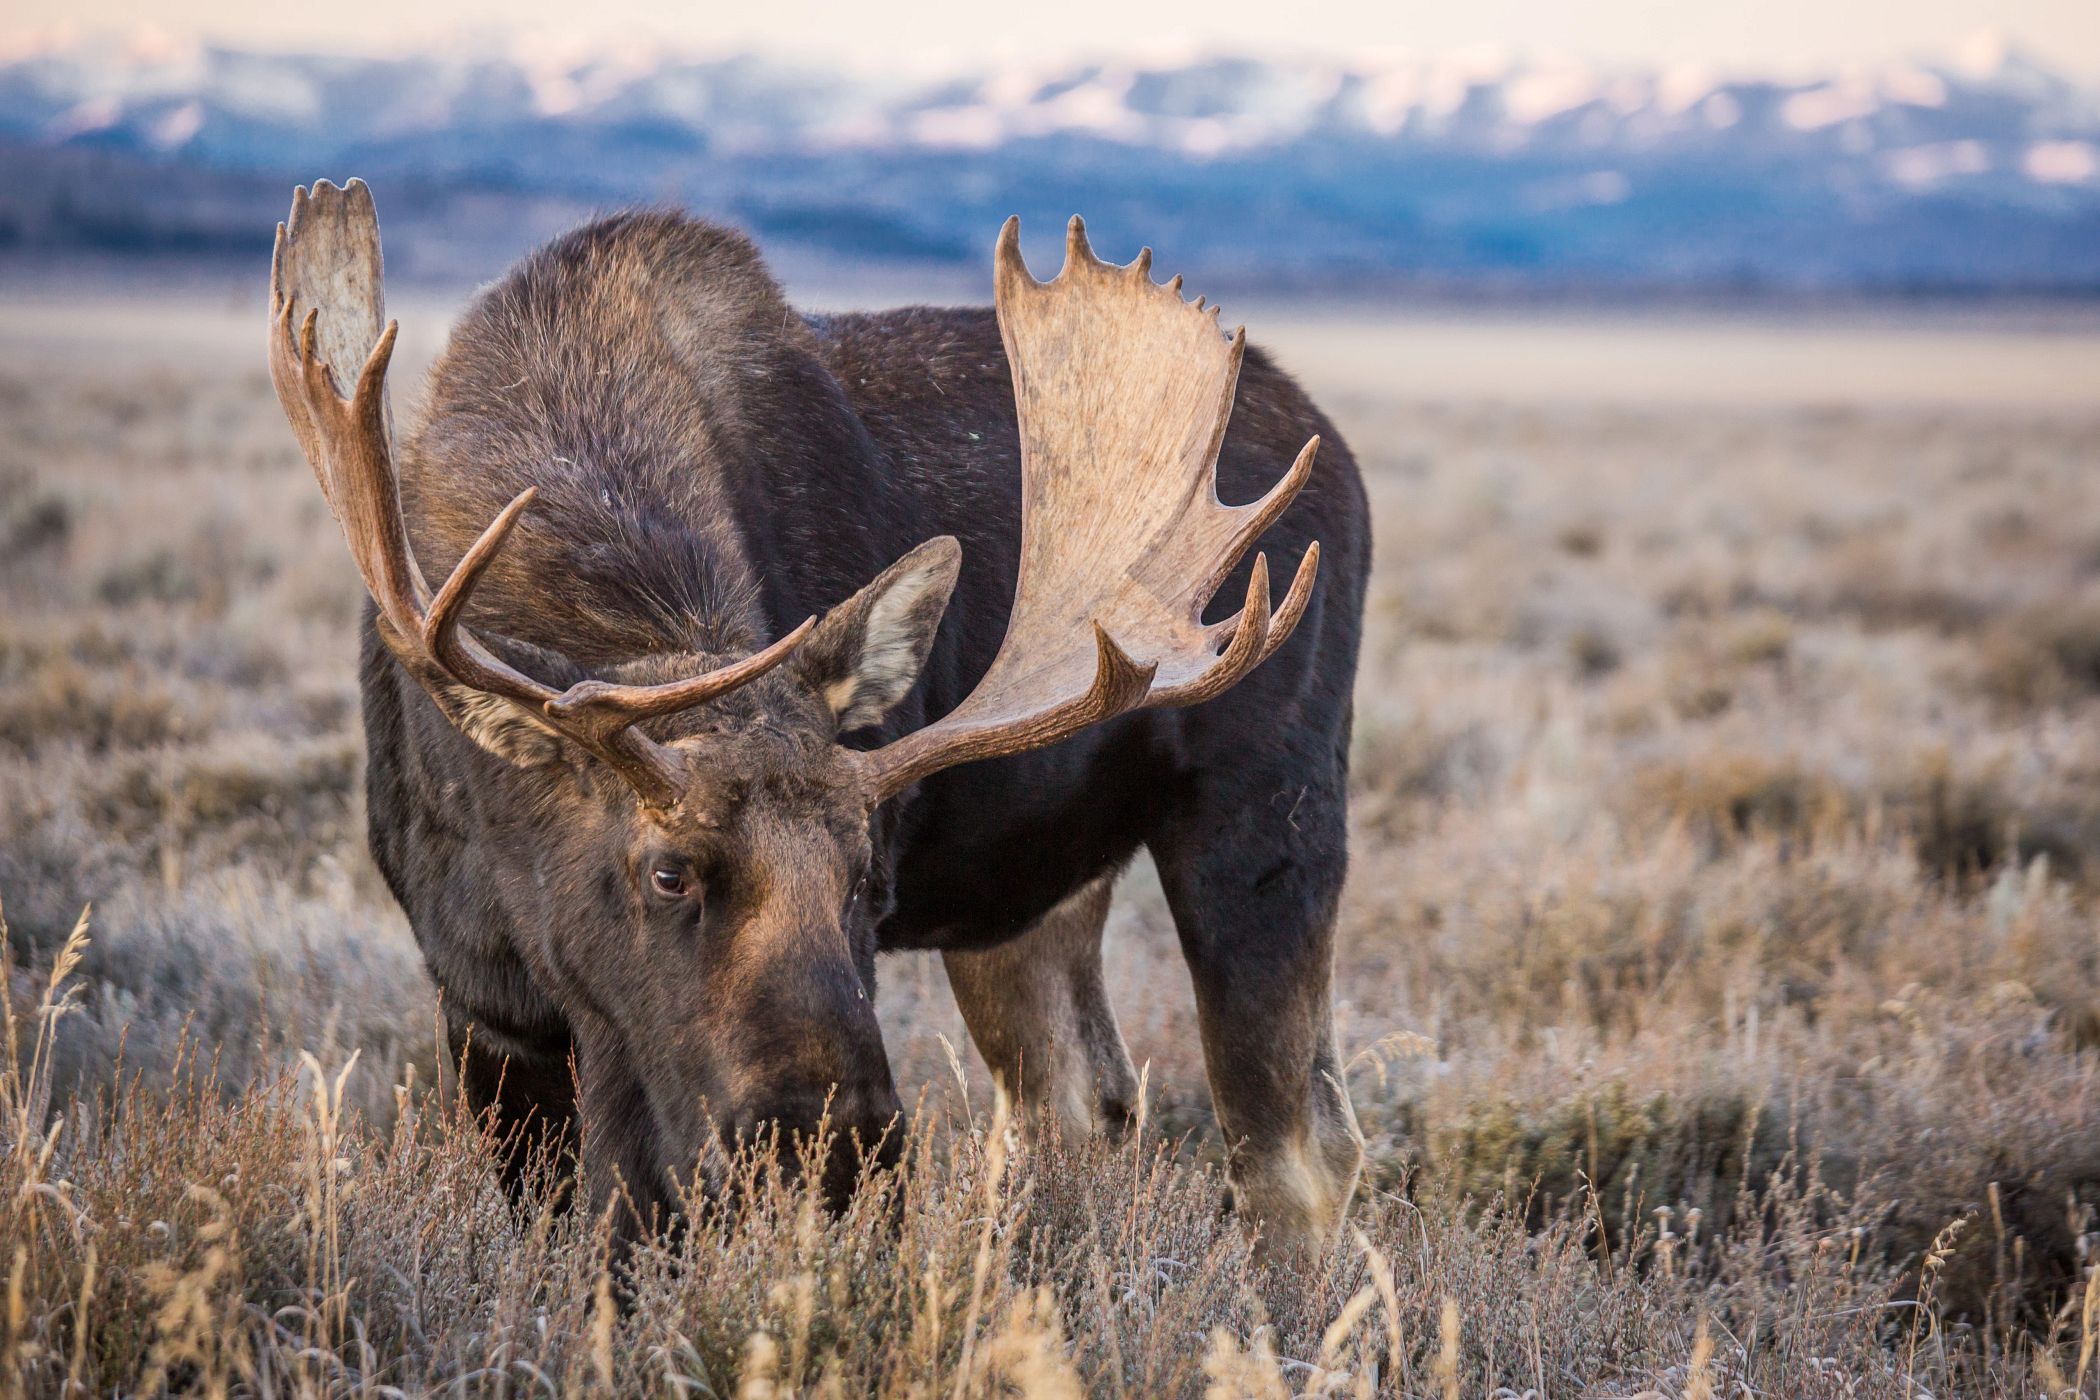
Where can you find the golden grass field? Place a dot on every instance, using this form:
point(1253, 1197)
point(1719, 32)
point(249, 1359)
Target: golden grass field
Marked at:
point(1720, 964)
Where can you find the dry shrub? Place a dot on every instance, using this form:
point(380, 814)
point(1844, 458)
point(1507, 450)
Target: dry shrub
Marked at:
point(287, 802)
point(1968, 818)
point(62, 702)
point(1709, 664)
point(1698, 594)
point(2041, 656)
point(1962, 819)
point(32, 520)
point(1764, 637)
point(1730, 795)
point(1870, 581)
point(1593, 653)
point(1609, 1151)
point(2020, 1150)
point(277, 1242)
point(1698, 686)
point(1403, 767)
point(1584, 539)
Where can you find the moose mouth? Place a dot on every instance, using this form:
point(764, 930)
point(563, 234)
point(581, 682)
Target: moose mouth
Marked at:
point(842, 1163)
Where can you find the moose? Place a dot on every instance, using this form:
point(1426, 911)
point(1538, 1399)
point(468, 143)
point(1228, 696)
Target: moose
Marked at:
point(680, 739)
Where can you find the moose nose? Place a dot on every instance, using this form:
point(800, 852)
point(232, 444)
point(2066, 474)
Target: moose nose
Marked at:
point(862, 1122)
point(869, 1123)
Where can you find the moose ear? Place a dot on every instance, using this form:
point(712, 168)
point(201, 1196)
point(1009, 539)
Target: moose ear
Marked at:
point(504, 729)
point(865, 654)
point(510, 731)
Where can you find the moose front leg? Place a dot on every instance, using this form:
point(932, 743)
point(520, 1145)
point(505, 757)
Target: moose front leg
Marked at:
point(1253, 872)
point(1038, 1009)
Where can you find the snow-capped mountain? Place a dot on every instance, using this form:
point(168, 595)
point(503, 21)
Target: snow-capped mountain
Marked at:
point(1978, 171)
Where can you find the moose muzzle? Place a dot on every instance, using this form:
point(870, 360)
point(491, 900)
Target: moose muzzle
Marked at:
point(815, 1071)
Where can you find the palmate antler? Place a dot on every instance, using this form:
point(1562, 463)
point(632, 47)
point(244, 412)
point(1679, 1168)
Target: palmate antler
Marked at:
point(327, 302)
point(1123, 391)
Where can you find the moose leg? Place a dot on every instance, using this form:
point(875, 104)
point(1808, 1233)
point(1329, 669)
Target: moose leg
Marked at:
point(1252, 865)
point(1039, 1012)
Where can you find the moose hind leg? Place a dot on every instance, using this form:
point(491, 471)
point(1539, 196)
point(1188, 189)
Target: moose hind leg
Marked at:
point(1038, 1009)
point(1253, 870)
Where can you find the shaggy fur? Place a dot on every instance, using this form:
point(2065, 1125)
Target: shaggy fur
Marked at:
point(712, 468)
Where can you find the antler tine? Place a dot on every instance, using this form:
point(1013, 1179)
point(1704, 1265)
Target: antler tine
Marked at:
point(326, 256)
point(1241, 653)
point(629, 703)
point(1119, 685)
point(1009, 269)
point(1123, 390)
point(1295, 602)
point(1078, 252)
point(453, 645)
point(1277, 629)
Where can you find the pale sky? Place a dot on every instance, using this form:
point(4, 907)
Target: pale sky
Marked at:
point(1738, 34)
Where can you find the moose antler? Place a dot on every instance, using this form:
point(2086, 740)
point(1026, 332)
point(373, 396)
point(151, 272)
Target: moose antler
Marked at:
point(327, 266)
point(1123, 391)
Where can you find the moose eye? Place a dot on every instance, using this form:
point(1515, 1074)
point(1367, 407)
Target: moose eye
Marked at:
point(668, 882)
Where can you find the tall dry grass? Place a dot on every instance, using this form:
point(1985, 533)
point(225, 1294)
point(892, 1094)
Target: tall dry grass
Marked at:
point(170, 1238)
point(1717, 973)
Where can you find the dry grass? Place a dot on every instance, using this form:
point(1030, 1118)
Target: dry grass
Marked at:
point(1718, 963)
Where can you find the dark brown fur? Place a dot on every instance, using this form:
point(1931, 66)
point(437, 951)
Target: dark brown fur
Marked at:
point(712, 467)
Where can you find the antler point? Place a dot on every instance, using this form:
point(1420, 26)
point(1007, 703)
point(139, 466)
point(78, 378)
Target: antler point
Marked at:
point(1078, 252)
point(1009, 269)
point(372, 380)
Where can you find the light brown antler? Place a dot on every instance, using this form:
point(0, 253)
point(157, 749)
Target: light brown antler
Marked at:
point(1123, 391)
point(327, 302)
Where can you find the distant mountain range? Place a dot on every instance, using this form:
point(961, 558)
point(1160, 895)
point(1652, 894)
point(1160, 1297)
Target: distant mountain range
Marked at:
point(1980, 174)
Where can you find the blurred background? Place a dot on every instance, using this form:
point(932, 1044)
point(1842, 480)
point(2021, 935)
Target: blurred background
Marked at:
point(1514, 150)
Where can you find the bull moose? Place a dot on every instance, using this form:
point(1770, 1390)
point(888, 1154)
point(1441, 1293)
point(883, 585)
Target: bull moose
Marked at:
point(652, 827)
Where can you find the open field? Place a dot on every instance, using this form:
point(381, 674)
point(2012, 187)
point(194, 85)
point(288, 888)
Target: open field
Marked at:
point(1720, 964)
